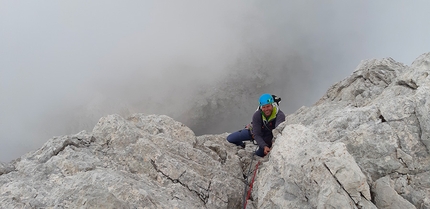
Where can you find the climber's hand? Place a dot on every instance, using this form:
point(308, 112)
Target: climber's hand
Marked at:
point(266, 150)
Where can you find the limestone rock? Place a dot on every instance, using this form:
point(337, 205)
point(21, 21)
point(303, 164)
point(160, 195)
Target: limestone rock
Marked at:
point(386, 197)
point(381, 114)
point(305, 173)
point(368, 81)
point(139, 162)
point(5, 168)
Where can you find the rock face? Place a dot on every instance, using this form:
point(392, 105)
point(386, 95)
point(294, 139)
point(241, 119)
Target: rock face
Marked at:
point(306, 173)
point(365, 144)
point(139, 162)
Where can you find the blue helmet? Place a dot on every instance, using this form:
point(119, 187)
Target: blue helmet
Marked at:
point(266, 99)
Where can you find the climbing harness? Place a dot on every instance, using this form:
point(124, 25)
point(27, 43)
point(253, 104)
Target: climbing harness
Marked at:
point(249, 185)
point(264, 99)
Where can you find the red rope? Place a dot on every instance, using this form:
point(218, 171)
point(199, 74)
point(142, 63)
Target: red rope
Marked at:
point(250, 186)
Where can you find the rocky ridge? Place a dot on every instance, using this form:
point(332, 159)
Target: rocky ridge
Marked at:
point(364, 144)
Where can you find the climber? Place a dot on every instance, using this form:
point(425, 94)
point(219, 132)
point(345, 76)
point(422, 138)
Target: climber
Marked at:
point(267, 117)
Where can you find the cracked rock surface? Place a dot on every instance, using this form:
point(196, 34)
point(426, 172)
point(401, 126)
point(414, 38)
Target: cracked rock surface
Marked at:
point(365, 144)
point(138, 162)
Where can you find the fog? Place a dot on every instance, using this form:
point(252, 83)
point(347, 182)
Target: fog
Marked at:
point(65, 64)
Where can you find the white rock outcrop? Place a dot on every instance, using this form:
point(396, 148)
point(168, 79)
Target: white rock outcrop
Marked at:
point(370, 131)
point(305, 173)
point(139, 162)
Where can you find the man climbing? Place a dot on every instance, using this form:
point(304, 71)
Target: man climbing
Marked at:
point(267, 117)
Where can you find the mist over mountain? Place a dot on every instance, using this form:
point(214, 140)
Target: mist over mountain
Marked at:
point(364, 144)
point(63, 65)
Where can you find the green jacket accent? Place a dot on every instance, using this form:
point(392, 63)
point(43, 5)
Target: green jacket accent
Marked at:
point(272, 116)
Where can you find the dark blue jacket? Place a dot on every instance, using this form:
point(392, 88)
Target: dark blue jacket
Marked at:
point(262, 127)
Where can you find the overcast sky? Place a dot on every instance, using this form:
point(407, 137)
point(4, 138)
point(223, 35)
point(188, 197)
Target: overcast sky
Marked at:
point(64, 64)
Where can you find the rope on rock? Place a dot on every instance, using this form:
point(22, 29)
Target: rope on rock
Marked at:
point(251, 184)
point(247, 193)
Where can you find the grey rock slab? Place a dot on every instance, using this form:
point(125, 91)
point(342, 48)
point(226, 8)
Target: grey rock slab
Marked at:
point(305, 173)
point(136, 162)
point(386, 197)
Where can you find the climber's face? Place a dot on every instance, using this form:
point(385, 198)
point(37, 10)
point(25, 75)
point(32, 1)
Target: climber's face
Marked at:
point(267, 109)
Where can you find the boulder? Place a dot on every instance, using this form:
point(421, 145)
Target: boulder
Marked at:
point(303, 172)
